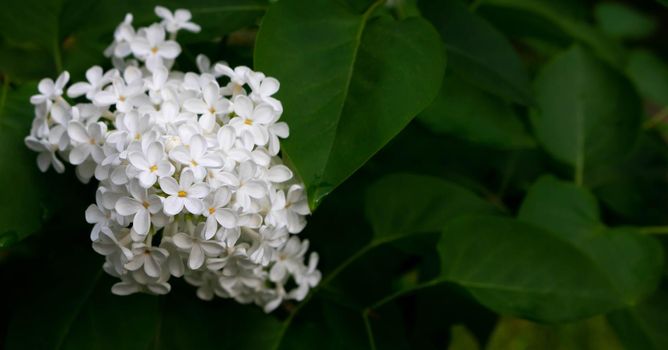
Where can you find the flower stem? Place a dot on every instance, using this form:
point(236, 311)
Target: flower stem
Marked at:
point(342, 266)
point(369, 331)
point(57, 57)
point(406, 291)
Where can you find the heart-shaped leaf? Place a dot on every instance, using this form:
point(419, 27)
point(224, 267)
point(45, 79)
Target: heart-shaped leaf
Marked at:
point(587, 114)
point(520, 269)
point(349, 82)
point(632, 262)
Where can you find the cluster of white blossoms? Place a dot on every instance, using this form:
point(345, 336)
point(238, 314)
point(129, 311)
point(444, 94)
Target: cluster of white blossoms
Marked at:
point(190, 181)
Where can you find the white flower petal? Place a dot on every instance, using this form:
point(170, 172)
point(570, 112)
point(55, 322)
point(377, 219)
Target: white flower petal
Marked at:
point(105, 98)
point(78, 89)
point(147, 179)
point(182, 241)
point(125, 288)
point(197, 145)
point(243, 106)
point(173, 205)
point(142, 221)
point(169, 185)
point(77, 132)
point(169, 49)
point(195, 105)
point(127, 206)
point(79, 154)
point(193, 205)
point(196, 258)
point(269, 86)
point(279, 173)
point(138, 160)
point(151, 267)
point(226, 218)
point(198, 191)
point(181, 155)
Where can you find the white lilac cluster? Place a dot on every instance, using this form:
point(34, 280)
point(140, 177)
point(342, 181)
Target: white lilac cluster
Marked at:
point(190, 181)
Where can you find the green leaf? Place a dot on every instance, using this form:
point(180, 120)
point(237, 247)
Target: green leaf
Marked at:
point(462, 339)
point(519, 269)
point(467, 112)
point(594, 333)
point(587, 113)
point(24, 64)
point(397, 206)
point(21, 214)
point(31, 23)
point(478, 52)
point(643, 326)
point(632, 262)
point(347, 87)
point(563, 208)
point(623, 21)
point(552, 19)
point(403, 204)
point(649, 74)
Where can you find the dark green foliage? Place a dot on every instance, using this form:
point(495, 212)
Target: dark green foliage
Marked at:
point(518, 209)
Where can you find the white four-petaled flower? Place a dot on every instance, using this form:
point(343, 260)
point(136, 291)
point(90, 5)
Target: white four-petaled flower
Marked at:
point(153, 48)
point(152, 164)
point(142, 205)
point(185, 193)
point(180, 19)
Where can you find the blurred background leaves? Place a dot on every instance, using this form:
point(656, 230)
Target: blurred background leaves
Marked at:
point(515, 212)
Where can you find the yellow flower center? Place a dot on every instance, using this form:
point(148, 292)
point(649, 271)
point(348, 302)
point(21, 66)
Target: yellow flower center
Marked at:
point(212, 210)
point(248, 121)
point(153, 168)
point(236, 89)
point(182, 193)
